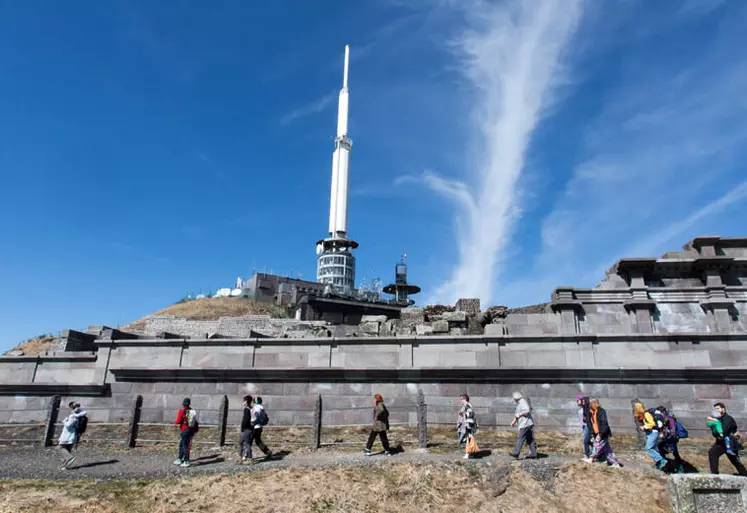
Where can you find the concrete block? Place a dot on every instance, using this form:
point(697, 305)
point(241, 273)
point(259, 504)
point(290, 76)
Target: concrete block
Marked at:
point(422, 329)
point(454, 316)
point(373, 318)
point(440, 327)
point(496, 330)
point(707, 493)
point(369, 328)
point(471, 306)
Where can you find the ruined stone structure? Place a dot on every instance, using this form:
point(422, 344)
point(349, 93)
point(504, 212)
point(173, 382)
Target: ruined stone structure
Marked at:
point(670, 331)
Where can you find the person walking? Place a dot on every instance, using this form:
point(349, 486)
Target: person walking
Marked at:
point(583, 419)
point(188, 424)
point(69, 435)
point(379, 427)
point(245, 439)
point(466, 422)
point(669, 439)
point(259, 420)
point(729, 428)
point(525, 424)
point(652, 425)
point(601, 432)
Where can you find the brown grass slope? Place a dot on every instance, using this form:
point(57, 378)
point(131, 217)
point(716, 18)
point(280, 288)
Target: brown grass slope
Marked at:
point(403, 487)
point(211, 309)
point(206, 309)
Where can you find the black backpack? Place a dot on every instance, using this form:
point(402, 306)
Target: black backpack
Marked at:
point(82, 425)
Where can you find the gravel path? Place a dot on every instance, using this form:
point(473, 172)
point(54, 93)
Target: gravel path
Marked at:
point(95, 463)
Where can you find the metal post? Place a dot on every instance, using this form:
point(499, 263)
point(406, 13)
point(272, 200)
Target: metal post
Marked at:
point(222, 422)
point(316, 433)
point(135, 411)
point(52, 414)
point(640, 435)
point(422, 421)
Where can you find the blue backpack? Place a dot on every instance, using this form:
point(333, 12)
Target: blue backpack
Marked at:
point(681, 431)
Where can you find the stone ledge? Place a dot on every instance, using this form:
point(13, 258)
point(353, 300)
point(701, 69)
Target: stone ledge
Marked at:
point(47, 389)
point(436, 375)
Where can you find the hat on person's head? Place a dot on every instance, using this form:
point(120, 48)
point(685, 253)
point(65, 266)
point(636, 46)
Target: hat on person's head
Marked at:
point(517, 396)
point(579, 397)
point(378, 398)
point(186, 401)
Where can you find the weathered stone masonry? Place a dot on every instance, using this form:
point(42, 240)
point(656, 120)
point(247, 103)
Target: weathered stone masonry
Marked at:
point(670, 331)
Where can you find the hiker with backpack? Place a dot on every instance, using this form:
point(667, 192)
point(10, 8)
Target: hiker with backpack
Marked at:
point(601, 433)
point(583, 419)
point(671, 432)
point(652, 425)
point(73, 426)
point(259, 420)
point(379, 427)
point(730, 429)
point(245, 440)
point(188, 423)
point(525, 424)
point(466, 422)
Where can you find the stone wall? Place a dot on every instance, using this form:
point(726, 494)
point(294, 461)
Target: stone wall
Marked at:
point(232, 327)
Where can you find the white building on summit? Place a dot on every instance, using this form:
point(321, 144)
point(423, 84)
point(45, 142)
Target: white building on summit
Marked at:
point(335, 260)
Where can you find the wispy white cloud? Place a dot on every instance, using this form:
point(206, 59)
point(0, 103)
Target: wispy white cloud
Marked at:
point(511, 55)
point(313, 107)
point(670, 135)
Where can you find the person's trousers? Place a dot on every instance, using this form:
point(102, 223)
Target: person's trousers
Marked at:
point(719, 450)
point(66, 451)
point(603, 451)
point(526, 435)
point(245, 444)
point(670, 446)
point(256, 438)
point(588, 445)
point(185, 443)
point(463, 434)
point(372, 438)
point(652, 446)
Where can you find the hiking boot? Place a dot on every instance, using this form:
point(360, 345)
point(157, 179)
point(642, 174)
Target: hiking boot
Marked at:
point(661, 464)
point(387, 453)
point(616, 465)
point(268, 456)
point(185, 464)
point(367, 452)
point(514, 456)
point(466, 457)
point(178, 461)
point(69, 462)
point(681, 469)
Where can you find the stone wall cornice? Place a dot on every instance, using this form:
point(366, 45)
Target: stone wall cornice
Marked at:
point(516, 375)
point(434, 340)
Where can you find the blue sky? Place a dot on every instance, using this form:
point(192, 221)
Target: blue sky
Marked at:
point(151, 149)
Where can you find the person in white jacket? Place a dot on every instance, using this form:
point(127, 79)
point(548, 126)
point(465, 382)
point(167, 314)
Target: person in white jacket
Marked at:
point(69, 435)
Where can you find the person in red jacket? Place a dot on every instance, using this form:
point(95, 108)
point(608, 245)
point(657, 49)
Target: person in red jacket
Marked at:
point(186, 419)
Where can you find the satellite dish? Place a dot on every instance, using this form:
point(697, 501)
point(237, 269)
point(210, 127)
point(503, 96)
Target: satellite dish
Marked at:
point(236, 292)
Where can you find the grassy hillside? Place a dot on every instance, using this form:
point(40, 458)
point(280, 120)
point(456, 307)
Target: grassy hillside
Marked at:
point(406, 487)
point(212, 308)
point(206, 309)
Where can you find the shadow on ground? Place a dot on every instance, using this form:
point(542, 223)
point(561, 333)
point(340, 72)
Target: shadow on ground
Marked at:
point(93, 464)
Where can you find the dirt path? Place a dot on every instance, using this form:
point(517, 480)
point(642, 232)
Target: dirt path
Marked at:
point(95, 463)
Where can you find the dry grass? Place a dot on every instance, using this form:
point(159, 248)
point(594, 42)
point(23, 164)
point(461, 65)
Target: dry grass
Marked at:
point(211, 309)
point(36, 345)
point(402, 487)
